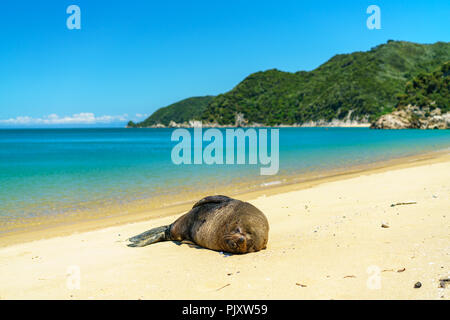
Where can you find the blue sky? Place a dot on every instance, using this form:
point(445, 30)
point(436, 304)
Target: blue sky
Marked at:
point(133, 57)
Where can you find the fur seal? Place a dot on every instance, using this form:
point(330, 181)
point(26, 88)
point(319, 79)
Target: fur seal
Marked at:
point(216, 222)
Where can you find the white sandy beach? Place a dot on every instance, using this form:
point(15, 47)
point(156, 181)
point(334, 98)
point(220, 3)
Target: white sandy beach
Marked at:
point(326, 242)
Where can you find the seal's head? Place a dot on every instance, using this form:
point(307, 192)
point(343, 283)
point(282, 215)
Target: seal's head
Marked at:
point(244, 241)
point(249, 234)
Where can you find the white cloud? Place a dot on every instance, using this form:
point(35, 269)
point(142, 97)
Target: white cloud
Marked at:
point(79, 118)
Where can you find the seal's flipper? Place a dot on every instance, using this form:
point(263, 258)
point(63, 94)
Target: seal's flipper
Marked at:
point(212, 199)
point(150, 236)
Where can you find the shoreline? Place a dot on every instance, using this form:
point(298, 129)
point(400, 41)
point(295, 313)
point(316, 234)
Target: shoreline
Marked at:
point(45, 227)
point(309, 124)
point(369, 234)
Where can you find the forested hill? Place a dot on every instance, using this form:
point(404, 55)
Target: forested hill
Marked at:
point(428, 90)
point(425, 104)
point(179, 112)
point(359, 86)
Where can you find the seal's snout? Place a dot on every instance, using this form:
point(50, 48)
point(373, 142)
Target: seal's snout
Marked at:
point(232, 244)
point(237, 243)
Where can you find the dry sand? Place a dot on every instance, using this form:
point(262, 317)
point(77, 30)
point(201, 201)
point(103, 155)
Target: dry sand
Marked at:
point(326, 242)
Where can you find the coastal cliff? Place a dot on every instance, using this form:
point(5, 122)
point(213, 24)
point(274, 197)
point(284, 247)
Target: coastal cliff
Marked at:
point(348, 90)
point(240, 122)
point(413, 117)
point(424, 105)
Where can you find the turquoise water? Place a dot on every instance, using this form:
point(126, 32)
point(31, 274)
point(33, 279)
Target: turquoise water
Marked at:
point(62, 171)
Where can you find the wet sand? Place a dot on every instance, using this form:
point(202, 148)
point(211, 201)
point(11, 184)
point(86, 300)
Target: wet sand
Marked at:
point(326, 242)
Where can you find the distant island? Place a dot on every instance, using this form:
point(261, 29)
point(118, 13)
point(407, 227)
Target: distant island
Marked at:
point(395, 85)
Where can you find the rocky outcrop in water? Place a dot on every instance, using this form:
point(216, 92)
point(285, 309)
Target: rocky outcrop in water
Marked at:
point(413, 117)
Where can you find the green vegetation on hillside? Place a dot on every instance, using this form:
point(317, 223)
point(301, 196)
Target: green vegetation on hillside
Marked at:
point(428, 90)
point(179, 112)
point(356, 86)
